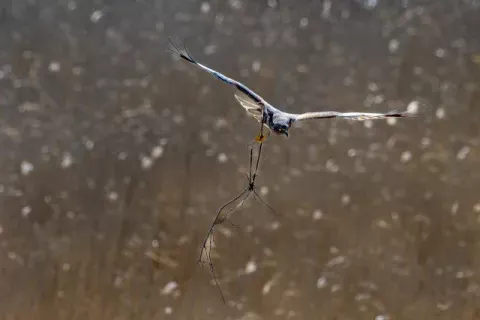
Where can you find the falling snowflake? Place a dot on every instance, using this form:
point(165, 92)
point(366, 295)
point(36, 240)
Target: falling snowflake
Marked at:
point(26, 167)
point(393, 45)
point(157, 152)
point(146, 162)
point(26, 211)
point(169, 288)
point(303, 23)
point(54, 66)
point(222, 158)
point(406, 156)
point(67, 160)
point(413, 107)
point(317, 214)
point(250, 267)
point(463, 153)
point(205, 7)
point(440, 113)
point(96, 16)
point(321, 282)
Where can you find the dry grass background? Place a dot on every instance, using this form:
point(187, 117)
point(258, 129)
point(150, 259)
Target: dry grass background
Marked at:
point(115, 158)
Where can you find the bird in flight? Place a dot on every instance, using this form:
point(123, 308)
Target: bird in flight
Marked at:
point(274, 119)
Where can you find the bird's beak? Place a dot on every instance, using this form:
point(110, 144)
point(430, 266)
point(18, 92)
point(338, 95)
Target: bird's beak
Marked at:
point(286, 133)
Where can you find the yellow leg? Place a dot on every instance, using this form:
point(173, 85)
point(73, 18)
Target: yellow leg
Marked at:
point(262, 135)
point(260, 138)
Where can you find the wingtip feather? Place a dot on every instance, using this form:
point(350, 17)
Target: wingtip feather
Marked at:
point(403, 114)
point(173, 48)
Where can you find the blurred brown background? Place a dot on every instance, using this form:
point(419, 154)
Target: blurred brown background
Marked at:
point(115, 158)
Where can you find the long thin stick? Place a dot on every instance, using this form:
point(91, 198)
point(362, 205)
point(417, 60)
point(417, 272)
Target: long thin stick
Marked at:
point(222, 215)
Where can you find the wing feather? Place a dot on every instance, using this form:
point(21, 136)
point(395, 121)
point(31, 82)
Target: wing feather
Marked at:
point(250, 106)
point(359, 116)
point(254, 109)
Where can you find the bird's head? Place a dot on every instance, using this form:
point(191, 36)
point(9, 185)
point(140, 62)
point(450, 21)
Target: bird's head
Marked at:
point(281, 131)
point(281, 126)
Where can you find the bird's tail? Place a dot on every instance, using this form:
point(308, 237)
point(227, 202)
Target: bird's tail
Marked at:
point(173, 48)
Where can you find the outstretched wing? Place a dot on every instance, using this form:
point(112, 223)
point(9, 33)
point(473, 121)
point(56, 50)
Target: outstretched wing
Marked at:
point(240, 86)
point(359, 116)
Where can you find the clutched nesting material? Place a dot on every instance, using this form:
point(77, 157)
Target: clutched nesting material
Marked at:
point(236, 203)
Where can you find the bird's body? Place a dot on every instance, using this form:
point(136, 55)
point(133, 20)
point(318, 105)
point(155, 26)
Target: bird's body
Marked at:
point(274, 119)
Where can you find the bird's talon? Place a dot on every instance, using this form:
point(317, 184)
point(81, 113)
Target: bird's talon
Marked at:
point(260, 138)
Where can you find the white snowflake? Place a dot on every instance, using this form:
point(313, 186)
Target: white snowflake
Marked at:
point(26, 167)
point(250, 267)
